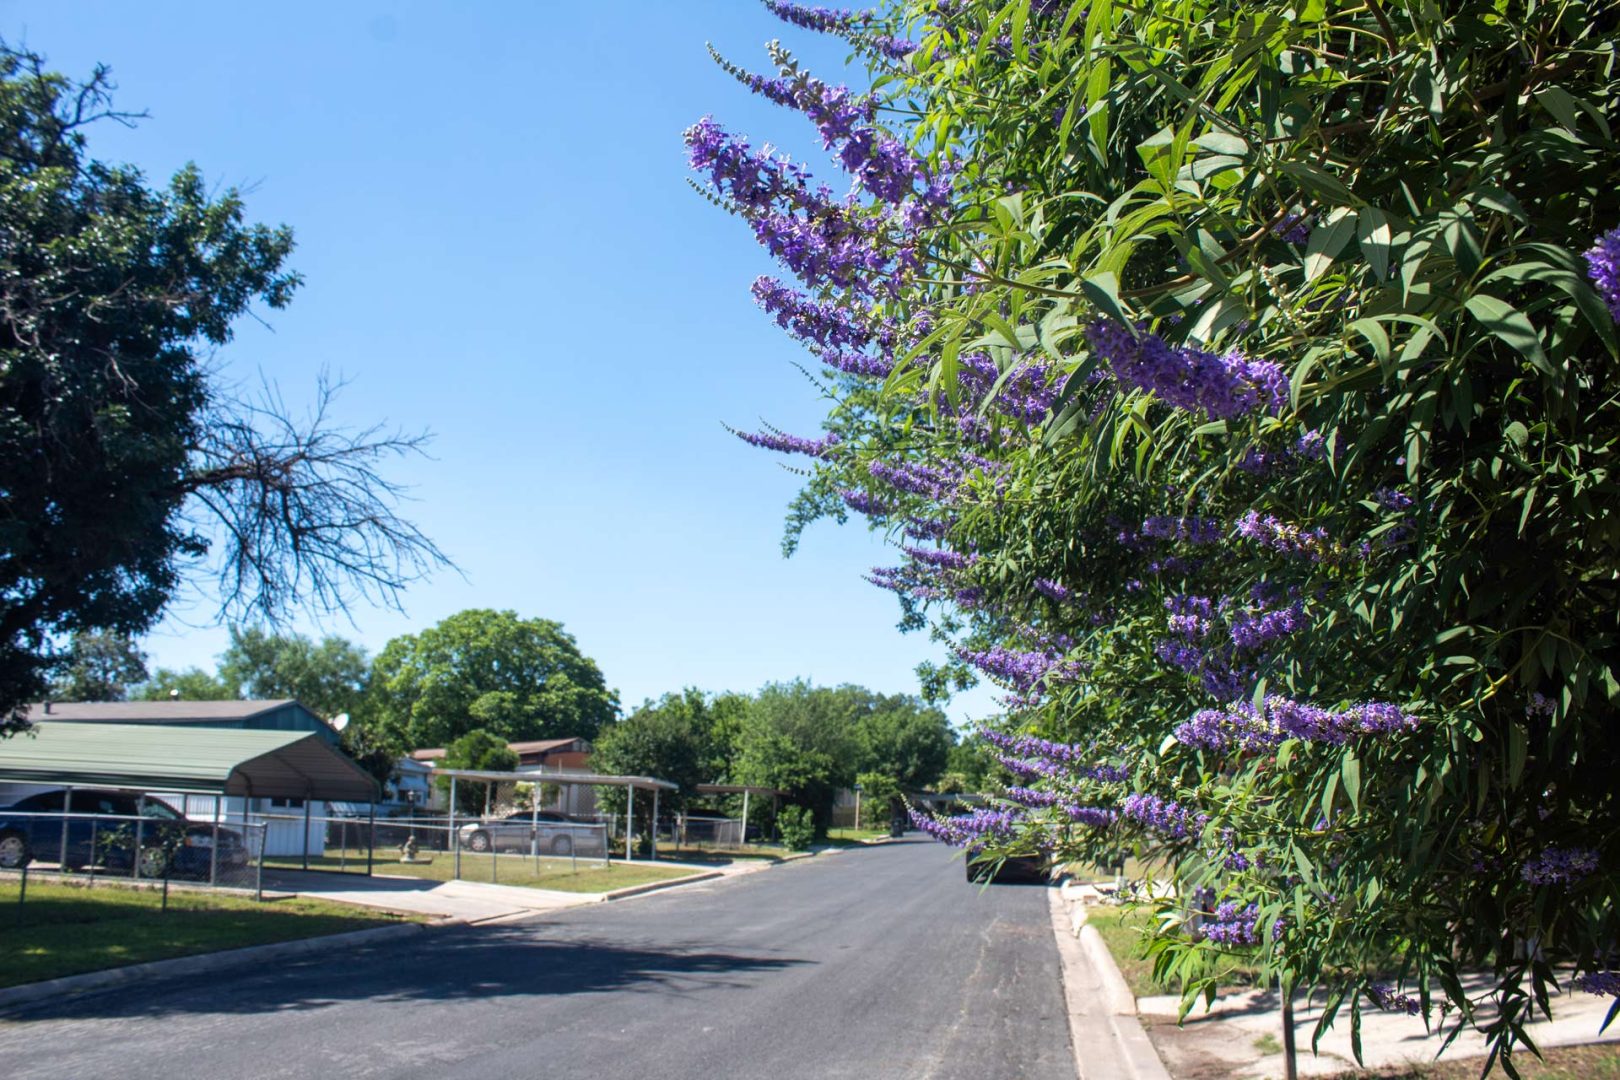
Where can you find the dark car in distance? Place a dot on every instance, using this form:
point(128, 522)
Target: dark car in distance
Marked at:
point(169, 842)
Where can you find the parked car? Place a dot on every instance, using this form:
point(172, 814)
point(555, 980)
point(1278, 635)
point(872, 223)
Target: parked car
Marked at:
point(1022, 868)
point(169, 841)
point(523, 831)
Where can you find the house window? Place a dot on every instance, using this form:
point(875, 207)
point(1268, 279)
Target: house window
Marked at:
point(286, 804)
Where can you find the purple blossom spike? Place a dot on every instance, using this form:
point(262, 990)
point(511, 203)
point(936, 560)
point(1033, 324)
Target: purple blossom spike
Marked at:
point(1187, 377)
point(1606, 983)
point(1280, 536)
point(820, 19)
point(941, 557)
point(1603, 267)
point(1052, 590)
point(1167, 818)
point(830, 326)
point(1384, 996)
point(1245, 726)
point(788, 444)
point(862, 503)
point(1560, 865)
point(1232, 925)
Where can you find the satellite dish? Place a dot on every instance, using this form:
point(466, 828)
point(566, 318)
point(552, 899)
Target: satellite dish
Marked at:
point(340, 721)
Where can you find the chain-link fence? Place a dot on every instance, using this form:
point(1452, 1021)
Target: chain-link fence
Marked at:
point(158, 845)
point(705, 832)
point(518, 850)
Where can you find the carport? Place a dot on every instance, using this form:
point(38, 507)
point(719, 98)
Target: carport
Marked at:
point(630, 783)
point(186, 760)
point(745, 790)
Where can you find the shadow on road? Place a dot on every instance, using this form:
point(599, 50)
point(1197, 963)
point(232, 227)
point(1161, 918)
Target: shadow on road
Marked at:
point(463, 964)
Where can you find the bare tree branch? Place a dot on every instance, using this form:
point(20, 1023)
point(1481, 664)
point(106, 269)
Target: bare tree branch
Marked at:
point(297, 514)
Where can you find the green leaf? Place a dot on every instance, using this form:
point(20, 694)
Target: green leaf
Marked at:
point(1102, 290)
point(1373, 233)
point(1509, 324)
point(1327, 240)
point(1350, 773)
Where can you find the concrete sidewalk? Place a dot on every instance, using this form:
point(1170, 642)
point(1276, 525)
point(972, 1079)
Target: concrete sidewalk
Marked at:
point(1230, 1037)
point(474, 901)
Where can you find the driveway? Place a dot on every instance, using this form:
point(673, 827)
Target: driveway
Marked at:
point(876, 962)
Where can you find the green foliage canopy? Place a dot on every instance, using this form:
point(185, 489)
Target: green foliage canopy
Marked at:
point(517, 678)
point(1253, 374)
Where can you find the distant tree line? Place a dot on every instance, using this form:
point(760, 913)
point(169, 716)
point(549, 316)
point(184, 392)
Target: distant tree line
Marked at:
point(481, 678)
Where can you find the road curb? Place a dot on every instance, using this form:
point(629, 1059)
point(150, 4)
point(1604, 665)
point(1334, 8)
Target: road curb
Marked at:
point(1108, 1040)
point(16, 997)
point(653, 886)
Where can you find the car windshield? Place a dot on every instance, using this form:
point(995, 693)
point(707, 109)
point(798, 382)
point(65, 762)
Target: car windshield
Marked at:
point(161, 810)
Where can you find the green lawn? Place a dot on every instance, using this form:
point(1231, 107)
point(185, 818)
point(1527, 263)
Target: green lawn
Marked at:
point(68, 929)
point(855, 836)
point(1596, 1062)
point(587, 875)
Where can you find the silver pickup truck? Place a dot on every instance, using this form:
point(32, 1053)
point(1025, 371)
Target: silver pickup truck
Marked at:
point(548, 833)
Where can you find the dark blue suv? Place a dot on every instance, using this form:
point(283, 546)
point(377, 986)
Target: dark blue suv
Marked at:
point(170, 843)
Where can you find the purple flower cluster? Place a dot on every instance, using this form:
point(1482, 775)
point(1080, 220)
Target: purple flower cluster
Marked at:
point(1603, 267)
point(1232, 925)
point(1186, 530)
point(830, 326)
point(924, 480)
point(1294, 228)
point(1027, 390)
point(788, 444)
point(1068, 757)
point(1279, 536)
point(821, 20)
point(1558, 865)
point(754, 182)
point(941, 557)
point(1094, 816)
point(1052, 590)
point(1258, 628)
point(862, 503)
point(1187, 377)
point(1384, 996)
point(1167, 818)
point(828, 244)
point(1023, 670)
point(971, 831)
point(1278, 719)
point(1605, 983)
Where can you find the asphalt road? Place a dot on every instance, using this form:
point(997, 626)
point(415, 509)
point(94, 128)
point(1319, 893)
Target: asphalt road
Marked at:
point(871, 963)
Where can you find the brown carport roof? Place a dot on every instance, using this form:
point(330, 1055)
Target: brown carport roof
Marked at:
point(211, 761)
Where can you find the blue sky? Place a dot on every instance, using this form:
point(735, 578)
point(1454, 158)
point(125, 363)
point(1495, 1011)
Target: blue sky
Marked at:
point(499, 245)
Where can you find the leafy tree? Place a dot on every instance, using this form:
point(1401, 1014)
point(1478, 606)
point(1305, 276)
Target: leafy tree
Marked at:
point(667, 740)
point(800, 739)
point(477, 749)
point(328, 678)
point(519, 679)
point(192, 684)
point(100, 667)
point(904, 740)
point(1236, 383)
point(125, 461)
point(969, 768)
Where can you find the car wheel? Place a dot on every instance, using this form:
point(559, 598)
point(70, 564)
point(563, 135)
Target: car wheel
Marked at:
point(14, 851)
point(563, 845)
point(154, 863)
point(478, 841)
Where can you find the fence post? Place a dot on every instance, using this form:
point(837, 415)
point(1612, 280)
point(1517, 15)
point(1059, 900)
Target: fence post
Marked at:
point(67, 823)
point(258, 876)
point(629, 823)
point(371, 836)
point(140, 823)
point(22, 889)
point(453, 839)
point(306, 832)
point(213, 848)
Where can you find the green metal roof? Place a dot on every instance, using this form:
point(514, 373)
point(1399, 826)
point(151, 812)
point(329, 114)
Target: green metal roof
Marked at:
point(213, 761)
